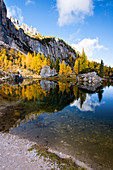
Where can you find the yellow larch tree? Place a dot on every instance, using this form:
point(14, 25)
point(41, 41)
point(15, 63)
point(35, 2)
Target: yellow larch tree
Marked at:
point(28, 61)
point(68, 70)
point(76, 67)
point(62, 69)
point(5, 63)
point(23, 60)
point(44, 63)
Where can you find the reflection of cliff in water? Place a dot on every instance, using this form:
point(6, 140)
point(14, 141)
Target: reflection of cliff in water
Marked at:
point(25, 102)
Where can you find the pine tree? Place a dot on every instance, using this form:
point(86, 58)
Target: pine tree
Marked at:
point(70, 59)
point(19, 59)
point(62, 68)
point(28, 61)
point(23, 60)
point(102, 68)
point(44, 63)
point(5, 63)
point(51, 63)
point(77, 66)
point(68, 70)
point(91, 65)
point(84, 61)
point(57, 64)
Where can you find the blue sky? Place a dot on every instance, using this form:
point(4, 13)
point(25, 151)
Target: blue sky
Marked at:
point(81, 23)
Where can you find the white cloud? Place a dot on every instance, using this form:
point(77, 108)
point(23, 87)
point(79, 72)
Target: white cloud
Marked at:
point(29, 2)
point(15, 12)
point(88, 105)
point(73, 10)
point(89, 45)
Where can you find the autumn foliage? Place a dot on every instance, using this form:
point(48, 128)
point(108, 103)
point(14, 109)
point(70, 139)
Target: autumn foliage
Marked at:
point(35, 62)
point(65, 69)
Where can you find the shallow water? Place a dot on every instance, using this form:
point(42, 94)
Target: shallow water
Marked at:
point(67, 119)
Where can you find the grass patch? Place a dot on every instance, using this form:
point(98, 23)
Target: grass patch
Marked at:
point(62, 163)
point(64, 78)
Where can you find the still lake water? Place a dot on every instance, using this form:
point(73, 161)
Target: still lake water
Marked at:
point(63, 117)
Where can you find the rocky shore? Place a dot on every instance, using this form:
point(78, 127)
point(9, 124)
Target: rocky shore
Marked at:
point(18, 153)
point(15, 154)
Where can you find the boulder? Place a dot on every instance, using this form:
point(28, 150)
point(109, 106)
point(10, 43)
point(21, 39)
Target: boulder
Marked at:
point(90, 77)
point(89, 81)
point(47, 72)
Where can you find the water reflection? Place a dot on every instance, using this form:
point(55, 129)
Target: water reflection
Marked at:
point(88, 105)
point(26, 101)
point(81, 124)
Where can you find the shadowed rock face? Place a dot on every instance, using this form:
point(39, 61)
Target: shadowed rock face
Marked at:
point(3, 22)
point(19, 40)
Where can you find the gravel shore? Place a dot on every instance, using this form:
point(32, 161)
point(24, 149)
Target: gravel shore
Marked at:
point(14, 155)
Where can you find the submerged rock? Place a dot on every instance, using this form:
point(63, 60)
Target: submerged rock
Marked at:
point(47, 72)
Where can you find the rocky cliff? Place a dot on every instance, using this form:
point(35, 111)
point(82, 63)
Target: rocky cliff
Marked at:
point(19, 40)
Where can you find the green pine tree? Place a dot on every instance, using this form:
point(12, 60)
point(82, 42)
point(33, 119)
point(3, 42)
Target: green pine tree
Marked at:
point(57, 64)
point(102, 68)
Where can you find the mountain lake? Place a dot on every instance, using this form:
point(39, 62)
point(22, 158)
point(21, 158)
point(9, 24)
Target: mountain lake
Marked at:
point(63, 117)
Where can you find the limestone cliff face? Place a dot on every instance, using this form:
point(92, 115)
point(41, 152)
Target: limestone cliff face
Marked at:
point(3, 21)
point(18, 39)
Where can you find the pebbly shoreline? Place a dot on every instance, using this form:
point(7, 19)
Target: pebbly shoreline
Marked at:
point(15, 154)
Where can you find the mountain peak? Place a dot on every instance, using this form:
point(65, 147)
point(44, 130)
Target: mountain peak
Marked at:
point(28, 30)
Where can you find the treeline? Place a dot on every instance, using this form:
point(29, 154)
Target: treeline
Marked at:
point(35, 62)
point(30, 61)
point(83, 65)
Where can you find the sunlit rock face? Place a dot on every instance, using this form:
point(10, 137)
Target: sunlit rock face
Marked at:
point(47, 72)
point(89, 77)
point(19, 40)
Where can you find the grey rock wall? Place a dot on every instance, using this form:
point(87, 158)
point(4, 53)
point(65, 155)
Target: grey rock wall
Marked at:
point(52, 46)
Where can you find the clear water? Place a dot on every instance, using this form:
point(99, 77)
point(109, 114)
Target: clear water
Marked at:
point(64, 118)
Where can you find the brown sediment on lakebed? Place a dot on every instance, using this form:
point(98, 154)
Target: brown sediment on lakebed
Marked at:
point(19, 153)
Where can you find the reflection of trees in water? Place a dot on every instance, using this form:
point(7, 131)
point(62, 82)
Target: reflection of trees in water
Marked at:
point(19, 92)
point(100, 92)
point(79, 94)
point(82, 98)
point(34, 100)
point(57, 98)
point(108, 82)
